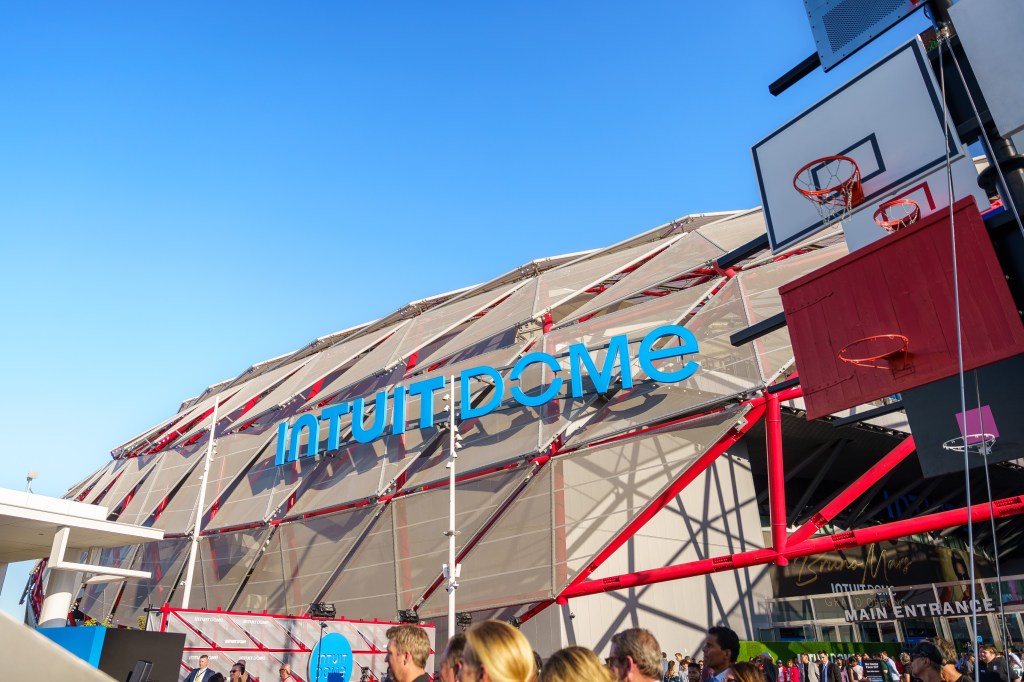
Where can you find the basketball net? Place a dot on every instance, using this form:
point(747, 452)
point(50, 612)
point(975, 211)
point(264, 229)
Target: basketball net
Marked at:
point(832, 185)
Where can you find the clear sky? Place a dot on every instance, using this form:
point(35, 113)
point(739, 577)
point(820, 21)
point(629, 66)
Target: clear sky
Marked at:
point(189, 188)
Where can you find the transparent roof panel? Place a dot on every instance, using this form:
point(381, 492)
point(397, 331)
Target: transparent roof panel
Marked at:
point(512, 563)
point(353, 474)
point(135, 469)
point(734, 232)
point(682, 256)
point(253, 389)
point(232, 455)
point(634, 321)
point(436, 322)
point(365, 586)
point(725, 372)
point(261, 490)
point(351, 383)
point(299, 561)
point(85, 485)
point(223, 562)
point(172, 466)
point(760, 287)
point(497, 438)
point(422, 519)
point(110, 472)
point(164, 560)
point(98, 600)
point(515, 309)
point(599, 491)
point(320, 366)
point(563, 283)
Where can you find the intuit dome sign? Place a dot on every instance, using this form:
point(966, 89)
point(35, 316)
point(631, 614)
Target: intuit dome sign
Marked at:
point(389, 413)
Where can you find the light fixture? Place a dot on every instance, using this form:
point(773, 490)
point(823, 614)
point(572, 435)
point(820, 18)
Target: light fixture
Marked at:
point(322, 610)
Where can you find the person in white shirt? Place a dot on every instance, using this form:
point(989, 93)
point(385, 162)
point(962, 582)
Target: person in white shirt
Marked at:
point(202, 673)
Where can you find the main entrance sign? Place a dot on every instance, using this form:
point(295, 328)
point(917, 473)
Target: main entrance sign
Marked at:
point(289, 437)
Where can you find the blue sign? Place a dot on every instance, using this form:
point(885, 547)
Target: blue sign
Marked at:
point(580, 363)
point(331, 660)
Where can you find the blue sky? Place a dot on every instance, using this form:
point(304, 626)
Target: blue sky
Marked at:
point(187, 188)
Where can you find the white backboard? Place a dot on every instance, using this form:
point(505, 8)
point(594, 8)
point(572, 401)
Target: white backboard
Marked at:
point(930, 193)
point(990, 32)
point(888, 119)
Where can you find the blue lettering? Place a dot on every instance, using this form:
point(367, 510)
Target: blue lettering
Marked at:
point(380, 418)
point(333, 415)
point(398, 411)
point(466, 409)
point(579, 356)
point(426, 388)
point(687, 345)
point(580, 362)
point(544, 396)
point(309, 422)
point(281, 456)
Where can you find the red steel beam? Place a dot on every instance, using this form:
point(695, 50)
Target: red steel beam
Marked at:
point(1004, 508)
point(776, 476)
point(856, 489)
point(660, 502)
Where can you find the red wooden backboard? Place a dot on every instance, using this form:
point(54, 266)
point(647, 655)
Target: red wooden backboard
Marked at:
point(901, 285)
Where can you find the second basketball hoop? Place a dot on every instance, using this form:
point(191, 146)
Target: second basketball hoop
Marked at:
point(832, 184)
point(895, 214)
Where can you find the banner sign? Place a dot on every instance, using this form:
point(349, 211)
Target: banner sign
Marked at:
point(289, 437)
point(878, 566)
point(331, 660)
point(873, 670)
point(929, 610)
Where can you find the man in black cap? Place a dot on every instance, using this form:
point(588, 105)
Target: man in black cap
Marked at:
point(926, 662)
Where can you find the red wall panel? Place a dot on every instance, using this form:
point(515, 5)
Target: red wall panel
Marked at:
point(901, 284)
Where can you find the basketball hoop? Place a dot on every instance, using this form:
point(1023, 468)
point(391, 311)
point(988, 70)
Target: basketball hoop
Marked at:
point(894, 346)
point(978, 443)
point(895, 214)
point(832, 184)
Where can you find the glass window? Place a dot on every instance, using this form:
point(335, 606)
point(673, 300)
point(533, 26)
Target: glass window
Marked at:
point(784, 611)
point(868, 632)
point(831, 607)
point(916, 629)
point(888, 631)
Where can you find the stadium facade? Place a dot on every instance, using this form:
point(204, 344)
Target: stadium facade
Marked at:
point(556, 502)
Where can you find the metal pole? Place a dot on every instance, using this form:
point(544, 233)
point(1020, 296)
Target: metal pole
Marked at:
point(776, 476)
point(451, 568)
point(200, 504)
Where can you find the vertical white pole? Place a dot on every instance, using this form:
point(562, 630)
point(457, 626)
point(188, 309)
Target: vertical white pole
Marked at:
point(452, 572)
point(200, 505)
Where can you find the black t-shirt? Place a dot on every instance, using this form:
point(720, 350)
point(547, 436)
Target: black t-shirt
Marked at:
point(995, 671)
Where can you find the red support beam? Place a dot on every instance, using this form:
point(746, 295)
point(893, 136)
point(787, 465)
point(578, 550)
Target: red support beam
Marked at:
point(660, 502)
point(856, 489)
point(776, 476)
point(1004, 508)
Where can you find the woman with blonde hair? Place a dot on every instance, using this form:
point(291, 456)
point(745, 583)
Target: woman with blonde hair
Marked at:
point(576, 664)
point(496, 652)
point(745, 672)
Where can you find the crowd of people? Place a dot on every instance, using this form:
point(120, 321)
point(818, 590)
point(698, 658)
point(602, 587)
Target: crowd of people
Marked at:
point(494, 651)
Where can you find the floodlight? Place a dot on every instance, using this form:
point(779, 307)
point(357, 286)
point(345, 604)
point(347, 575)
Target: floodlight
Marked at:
point(322, 610)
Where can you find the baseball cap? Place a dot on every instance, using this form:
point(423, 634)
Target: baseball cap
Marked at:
point(927, 650)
